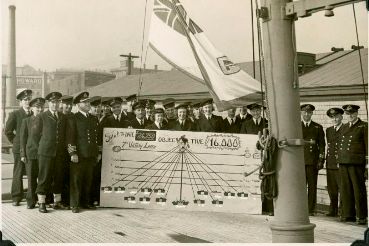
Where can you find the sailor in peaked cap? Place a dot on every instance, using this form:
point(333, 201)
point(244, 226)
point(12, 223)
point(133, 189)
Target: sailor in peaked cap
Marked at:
point(29, 148)
point(333, 177)
point(66, 104)
point(314, 152)
point(12, 132)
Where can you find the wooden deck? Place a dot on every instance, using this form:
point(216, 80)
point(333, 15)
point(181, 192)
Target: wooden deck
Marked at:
point(109, 225)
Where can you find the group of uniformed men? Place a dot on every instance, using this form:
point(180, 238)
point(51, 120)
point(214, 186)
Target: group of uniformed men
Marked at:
point(346, 161)
point(61, 150)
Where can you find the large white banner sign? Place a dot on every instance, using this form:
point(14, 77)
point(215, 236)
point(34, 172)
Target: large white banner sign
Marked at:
point(196, 171)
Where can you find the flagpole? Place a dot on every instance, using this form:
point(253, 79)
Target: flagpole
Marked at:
point(291, 222)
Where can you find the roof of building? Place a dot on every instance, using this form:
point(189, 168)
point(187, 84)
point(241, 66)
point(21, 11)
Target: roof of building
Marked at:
point(340, 69)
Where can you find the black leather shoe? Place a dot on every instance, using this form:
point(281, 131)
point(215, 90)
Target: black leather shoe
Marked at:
point(31, 206)
point(42, 208)
point(331, 214)
point(91, 207)
point(75, 210)
point(361, 221)
point(347, 219)
point(57, 206)
point(15, 203)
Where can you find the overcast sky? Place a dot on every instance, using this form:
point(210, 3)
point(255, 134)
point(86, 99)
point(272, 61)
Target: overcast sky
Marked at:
point(90, 34)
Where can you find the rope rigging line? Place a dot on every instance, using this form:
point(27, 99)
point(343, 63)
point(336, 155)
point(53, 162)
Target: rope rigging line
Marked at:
point(252, 38)
point(142, 48)
point(191, 174)
point(360, 59)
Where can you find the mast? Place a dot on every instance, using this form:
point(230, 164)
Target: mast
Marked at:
point(291, 222)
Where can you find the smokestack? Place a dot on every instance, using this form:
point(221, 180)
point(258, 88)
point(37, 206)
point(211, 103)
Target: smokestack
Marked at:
point(156, 67)
point(11, 81)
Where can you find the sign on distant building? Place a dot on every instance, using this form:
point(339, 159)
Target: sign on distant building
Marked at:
point(35, 83)
point(193, 171)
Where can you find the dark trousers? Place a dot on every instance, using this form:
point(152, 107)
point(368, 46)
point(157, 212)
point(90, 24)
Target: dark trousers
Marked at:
point(17, 182)
point(50, 174)
point(353, 191)
point(66, 189)
point(267, 206)
point(81, 175)
point(32, 173)
point(311, 181)
point(96, 182)
point(333, 183)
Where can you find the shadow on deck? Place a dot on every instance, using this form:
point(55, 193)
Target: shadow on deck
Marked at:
point(111, 225)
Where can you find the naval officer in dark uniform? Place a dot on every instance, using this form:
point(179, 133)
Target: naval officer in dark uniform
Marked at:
point(12, 130)
point(257, 123)
point(84, 146)
point(66, 109)
point(183, 123)
point(313, 152)
point(208, 122)
point(50, 134)
point(333, 178)
point(158, 123)
point(29, 148)
point(231, 123)
point(243, 115)
point(139, 121)
point(352, 159)
point(149, 111)
point(117, 119)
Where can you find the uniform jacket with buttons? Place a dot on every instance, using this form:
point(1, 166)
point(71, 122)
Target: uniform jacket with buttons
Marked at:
point(249, 126)
point(83, 136)
point(235, 127)
point(215, 124)
point(50, 134)
point(313, 151)
point(14, 123)
point(28, 140)
point(353, 147)
point(333, 137)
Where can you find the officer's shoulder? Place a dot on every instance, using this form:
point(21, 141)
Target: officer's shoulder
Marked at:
point(363, 124)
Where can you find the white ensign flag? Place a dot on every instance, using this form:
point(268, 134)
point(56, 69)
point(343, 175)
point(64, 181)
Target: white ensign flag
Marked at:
point(178, 40)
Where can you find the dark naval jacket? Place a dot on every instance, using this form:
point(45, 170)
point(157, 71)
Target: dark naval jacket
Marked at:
point(50, 133)
point(14, 123)
point(315, 150)
point(333, 137)
point(28, 140)
point(83, 136)
point(176, 126)
point(135, 124)
point(111, 122)
point(353, 146)
point(153, 126)
point(215, 124)
point(235, 127)
point(249, 126)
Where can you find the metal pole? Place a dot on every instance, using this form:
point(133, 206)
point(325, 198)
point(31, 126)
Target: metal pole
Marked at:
point(11, 82)
point(291, 222)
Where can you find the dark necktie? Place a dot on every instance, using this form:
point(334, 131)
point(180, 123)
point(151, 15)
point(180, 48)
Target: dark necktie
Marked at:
point(231, 121)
